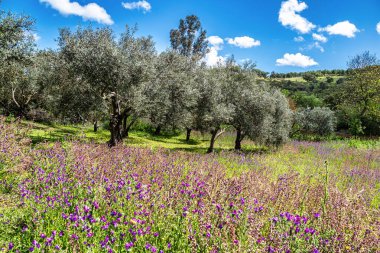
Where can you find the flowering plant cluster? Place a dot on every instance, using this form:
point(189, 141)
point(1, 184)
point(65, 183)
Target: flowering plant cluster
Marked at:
point(83, 197)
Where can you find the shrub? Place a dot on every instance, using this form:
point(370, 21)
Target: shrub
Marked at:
point(320, 120)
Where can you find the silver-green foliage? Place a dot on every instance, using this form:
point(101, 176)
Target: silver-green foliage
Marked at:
point(172, 94)
point(16, 57)
point(320, 120)
point(260, 113)
point(114, 69)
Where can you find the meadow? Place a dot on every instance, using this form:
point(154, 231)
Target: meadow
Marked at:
point(61, 193)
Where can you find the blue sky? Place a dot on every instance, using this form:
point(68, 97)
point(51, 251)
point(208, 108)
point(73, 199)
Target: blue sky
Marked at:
point(279, 35)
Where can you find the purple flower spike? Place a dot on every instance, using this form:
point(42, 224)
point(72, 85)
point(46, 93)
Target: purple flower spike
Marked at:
point(128, 245)
point(74, 236)
point(95, 204)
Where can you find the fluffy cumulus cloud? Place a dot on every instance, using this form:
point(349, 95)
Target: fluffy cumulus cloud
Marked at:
point(144, 5)
point(289, 17)
point(319, 37)
point(344, 28)
point(296, 60)
point(91, 11)
point(299, 39)
point(215, 41)
point(378, 28)
point(212, 58)
point(243, 42)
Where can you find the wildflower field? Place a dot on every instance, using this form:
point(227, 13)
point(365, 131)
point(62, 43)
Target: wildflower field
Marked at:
point(78, 196)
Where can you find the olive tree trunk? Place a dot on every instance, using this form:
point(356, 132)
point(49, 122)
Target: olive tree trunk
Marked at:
point(158, 131)
point(212, 141)
point(115, 123)
point(188, 134)
point(239, 139)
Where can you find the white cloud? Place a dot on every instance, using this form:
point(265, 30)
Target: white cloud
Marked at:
point(299, 39)
point(137, 5)
point(32, 35)
point(213, 58)
point(344, 28)
point(288, 16)
point(378, 28)
point(319, 37)
point(297, 60)
point(215, 41)
point(91, 11)
point(316, 45)
point(36, 37)
point(243, 42)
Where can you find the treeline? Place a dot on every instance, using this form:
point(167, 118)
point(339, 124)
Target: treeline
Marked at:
point(354, 97)
point(316, 73)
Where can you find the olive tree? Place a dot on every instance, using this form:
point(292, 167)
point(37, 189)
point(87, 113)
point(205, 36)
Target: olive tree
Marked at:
point(16, 53)
point(110, 68)
point(282, 119)
point(319, 120)
point(260, 113)
point(171, 94)
point(212, 109)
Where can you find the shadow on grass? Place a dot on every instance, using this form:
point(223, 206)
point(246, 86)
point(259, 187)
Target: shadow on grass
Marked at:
point(165, 138)
point(203, 150)
point(168, 140)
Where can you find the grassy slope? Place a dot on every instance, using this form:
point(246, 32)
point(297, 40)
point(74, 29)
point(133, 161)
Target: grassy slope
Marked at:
point(301, 80)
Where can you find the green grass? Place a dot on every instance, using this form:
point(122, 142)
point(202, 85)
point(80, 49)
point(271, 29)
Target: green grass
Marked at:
point(138, 138)
point(199, 143)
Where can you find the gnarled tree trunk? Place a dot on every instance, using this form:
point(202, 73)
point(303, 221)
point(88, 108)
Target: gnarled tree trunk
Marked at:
point(188, 134)
point(126, 126)
point(158, 131)
point(214, 135)
point(212, 141)
point(115, 123)
point(239, 138)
